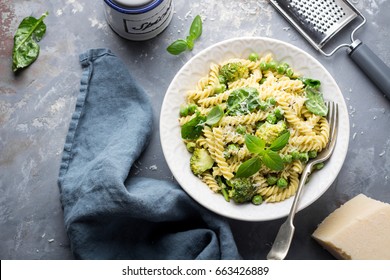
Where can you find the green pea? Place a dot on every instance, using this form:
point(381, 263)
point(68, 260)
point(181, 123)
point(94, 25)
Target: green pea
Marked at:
point(282, 183)
point(272, 65)
point(304, 157)
point(272, 180)
point(263, 105)
point(287, 158)
point(253, 57)
point(271, 118)
point(289, 72)
point(183, 111)
point(220, 88)
point(192, 108)
point(241, 129)
point(271, 101)
point(319, 166)
point(257, 199)
point(312, 154)
point(295, 155)
point(278, 113)
point(264, 66)
point(281, 68)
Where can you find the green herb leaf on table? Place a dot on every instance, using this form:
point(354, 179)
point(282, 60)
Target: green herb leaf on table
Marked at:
point(315, 102)
point(177, 47)
point(181, 45)
point(196, 28)
point(249, 167)
point(26, 50)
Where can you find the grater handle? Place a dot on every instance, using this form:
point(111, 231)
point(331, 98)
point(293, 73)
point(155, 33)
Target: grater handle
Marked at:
point(372, 66)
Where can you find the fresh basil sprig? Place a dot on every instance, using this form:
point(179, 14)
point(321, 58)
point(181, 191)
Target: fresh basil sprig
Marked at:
point(181, 45)
point(26, 49)
point(263, 154)
point(192, 129)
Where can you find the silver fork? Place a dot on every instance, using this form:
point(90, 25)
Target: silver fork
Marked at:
point(285, 234)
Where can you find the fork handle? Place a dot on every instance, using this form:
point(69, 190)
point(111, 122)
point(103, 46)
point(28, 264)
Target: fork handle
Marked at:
point(282, 242)
point(371, 65)
point(285, 234)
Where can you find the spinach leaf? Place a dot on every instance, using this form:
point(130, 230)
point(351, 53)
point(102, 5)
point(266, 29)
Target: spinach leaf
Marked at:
point(311, 82)
point(315, 102)
point(242, 101)
point(26, 49)
point(192, 129)
point(214, 116)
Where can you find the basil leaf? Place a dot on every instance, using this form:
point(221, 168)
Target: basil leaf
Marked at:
point(192, 129)
point(254, 144)
point(190, 43)
point(280, 142)
point(273, 160)
point(196, 28)
point(311, 82)
point(214, 116)
point(177, 47)
point(181, 45)
point(315, 102)
point(243, 101)
point(26, 49)
point(248, 168)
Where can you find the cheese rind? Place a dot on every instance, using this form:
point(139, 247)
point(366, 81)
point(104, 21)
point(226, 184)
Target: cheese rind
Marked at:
point(359, 229)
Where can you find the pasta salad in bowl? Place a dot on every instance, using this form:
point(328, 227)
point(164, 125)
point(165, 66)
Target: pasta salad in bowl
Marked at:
point(242, 118)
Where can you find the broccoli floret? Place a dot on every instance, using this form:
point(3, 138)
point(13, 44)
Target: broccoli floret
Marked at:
point(200, 161)
point(242, 190)
point(233, 71)
point(269, 132)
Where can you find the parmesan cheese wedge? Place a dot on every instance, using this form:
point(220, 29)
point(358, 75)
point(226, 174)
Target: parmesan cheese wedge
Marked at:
point(358, 230)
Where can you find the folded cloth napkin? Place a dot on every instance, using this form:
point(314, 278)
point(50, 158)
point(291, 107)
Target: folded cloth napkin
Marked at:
point(108, 214)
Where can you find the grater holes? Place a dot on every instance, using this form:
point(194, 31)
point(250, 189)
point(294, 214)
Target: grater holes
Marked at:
point(321, 15)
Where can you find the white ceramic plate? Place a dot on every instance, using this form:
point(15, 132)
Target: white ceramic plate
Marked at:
point(178, 157)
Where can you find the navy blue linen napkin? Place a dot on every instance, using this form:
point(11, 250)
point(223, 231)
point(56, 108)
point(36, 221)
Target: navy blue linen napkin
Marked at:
point(108, 214)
